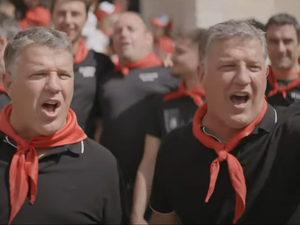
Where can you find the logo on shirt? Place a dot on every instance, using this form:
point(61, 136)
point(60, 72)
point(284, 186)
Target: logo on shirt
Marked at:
point(295, 95)
point(172, 119)
point(87, 71)
point(148, 77)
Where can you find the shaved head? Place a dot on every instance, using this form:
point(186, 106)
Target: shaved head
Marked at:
point(131, 38)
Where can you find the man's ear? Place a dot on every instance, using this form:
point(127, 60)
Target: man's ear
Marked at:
point(7, 80)
point(3, 42)
point(200, 72)
point(149, 38)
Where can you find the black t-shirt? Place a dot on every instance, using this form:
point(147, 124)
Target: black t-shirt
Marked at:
point(4, 100)
point(170, 115)
point(127, 103)
point(77, 184)
point(277, 100)
point(270, 158)
point(87, 75)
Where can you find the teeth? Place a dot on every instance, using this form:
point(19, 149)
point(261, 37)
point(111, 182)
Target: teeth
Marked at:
point(51, 102)
point(241, 95)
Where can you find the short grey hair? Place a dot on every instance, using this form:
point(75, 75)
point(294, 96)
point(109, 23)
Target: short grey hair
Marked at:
point(233, 29)
point(34, 36)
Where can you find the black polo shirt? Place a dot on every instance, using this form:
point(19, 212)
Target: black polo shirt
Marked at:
point(277, 100)
point(87, 75)
point(170, 115)
point(270, 158)
point(127, 102)
point(4, 100)
point(77, 184)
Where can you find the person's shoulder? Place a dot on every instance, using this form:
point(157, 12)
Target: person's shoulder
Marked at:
point(180, 136)
point(97, 153)
point(289, 119)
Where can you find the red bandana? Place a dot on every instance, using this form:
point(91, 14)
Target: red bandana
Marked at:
point(81, 52)
point(150, 60)
point(222, 150)
point(197, 94)
point(24, 169)
point(282, 89)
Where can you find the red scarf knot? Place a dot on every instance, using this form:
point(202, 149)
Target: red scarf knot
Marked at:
point(282, 89)
point(24, 167)
point(235, 169)
point(197, 94)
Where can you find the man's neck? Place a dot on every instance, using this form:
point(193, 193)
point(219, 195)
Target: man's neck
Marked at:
point(75, 47)
point(290, 74)
point(127, 61)
point(192, 82)
point(218, 129)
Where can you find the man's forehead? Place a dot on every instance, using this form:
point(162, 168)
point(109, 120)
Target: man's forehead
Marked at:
point(130, 19)
point(286, 29)
point(43, 55)
point(227, 47)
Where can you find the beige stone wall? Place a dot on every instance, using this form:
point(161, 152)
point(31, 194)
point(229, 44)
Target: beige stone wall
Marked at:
point(188, 14)
point(182, 12)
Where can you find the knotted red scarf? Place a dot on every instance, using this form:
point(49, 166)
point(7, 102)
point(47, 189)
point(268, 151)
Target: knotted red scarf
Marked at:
point(282, 89)
point(25, 168)
point(81, 53)
point(150, 60)
point(197, 94)
point(222, 150)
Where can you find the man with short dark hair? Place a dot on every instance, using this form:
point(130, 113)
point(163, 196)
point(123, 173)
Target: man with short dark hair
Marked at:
point(70, 16)
point(238, 162)
point(174, 110)
point(50, 172)
point(283, 38)
point(128, 94)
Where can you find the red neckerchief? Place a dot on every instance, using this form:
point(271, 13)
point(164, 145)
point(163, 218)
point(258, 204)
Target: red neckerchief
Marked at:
point(38, 17)
point(24, 168)
point(222, 150)
point(197, 94)
point(2, 89)
point(281, 89)
point(150, 60)
point(81, 53)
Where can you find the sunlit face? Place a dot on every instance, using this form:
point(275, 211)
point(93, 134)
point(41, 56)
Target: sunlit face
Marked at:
point(283, 46)
point(185, 58)
point(130, 38)
point(234, 80)
point(70, 17)
point(41, 89)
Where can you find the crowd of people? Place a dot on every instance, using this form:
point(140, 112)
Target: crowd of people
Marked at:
point(107, 121)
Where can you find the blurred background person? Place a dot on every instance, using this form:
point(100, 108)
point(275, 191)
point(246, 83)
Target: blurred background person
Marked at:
point(176, 109)
point(7, 8)
point(283, 38)
point(161, 28)
point(70, 16)
point(37, 15)
point(9, 27)
point(128, 95)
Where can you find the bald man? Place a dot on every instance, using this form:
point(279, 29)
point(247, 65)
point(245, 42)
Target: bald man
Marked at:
point(128, 95)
